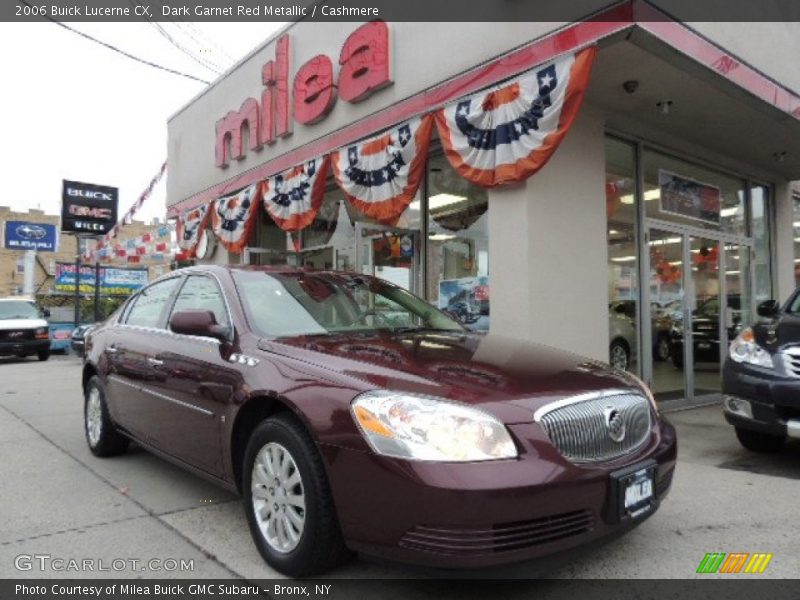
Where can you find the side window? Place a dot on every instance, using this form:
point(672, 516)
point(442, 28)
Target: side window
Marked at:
point(202, 293)
point(149, 304)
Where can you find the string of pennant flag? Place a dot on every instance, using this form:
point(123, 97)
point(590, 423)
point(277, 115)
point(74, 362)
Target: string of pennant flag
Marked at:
point(493, 137)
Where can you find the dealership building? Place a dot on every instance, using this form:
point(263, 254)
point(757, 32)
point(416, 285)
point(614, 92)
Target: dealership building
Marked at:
point(603, 186)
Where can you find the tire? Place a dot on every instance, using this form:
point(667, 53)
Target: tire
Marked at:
point(618, 355)
point(315, 546)
point(44, 355)
point(760, 442)
point(105, 440)
point(677, 360)
point(662, 350)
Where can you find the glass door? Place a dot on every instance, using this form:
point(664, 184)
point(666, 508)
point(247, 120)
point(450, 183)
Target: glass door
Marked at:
point(706, 299)
point(668, 312)
point(389, 253)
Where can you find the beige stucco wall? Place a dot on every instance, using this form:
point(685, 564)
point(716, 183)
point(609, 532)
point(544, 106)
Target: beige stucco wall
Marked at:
point(547, 248)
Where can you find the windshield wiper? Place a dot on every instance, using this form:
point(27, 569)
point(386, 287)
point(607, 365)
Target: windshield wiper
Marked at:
point(421, 328)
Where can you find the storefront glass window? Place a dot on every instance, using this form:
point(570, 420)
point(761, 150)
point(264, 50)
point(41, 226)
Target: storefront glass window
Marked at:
point(622, 260)
point(796, 230)
point(692, 195)
point(458, 244)
point(759, 201)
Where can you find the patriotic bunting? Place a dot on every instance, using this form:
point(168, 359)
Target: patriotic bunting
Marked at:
point(509, 132)
point(233, 218)
point(380, 176)
point(293, 198)
point(190, 227)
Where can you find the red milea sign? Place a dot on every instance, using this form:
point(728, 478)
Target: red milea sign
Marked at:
point(364, 67)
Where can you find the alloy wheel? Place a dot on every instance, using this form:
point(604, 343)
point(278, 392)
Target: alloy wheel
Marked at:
point(94, 417)
point(278, 497)
point(619, 358)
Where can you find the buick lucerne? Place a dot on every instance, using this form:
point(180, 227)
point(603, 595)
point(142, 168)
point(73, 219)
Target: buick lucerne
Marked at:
point(353, 416)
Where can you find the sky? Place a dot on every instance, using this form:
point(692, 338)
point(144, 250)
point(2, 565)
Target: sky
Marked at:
point(72, 109)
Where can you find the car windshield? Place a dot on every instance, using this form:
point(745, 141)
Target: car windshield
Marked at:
point(289, 304)
point(794, 307)
point(18, 309)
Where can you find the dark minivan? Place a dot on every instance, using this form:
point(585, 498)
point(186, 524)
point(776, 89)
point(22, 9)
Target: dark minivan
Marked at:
point(354, 416)
point(761, 378)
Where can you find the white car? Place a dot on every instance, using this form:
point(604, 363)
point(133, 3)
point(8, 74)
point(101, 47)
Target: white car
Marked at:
point(23, 329)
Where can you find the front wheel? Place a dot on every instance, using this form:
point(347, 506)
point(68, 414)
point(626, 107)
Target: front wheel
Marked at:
point(760, 442)
point(44, 355)
point(288, 500)
point(662, 349)
point(101, 435)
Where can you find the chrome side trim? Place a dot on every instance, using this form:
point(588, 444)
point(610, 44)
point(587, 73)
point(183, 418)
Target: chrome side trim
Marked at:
point(119, 379)
point(542, 411)
point(176, 401)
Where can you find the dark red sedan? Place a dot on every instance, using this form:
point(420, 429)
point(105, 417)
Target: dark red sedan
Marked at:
point(354, 416)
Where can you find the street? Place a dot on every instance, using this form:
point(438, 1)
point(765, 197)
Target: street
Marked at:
point(61, 501)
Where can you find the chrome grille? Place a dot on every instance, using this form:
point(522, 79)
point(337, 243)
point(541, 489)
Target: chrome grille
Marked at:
point(579, 427)
point(791, 360)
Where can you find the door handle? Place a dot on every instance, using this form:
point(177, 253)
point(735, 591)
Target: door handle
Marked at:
point(111, 349)
point(154, 361)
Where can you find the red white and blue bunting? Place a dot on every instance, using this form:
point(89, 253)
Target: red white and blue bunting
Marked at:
point(509, 132)
point(190, 228)
point(380, 176)
point(293, 198)
point(233, 218)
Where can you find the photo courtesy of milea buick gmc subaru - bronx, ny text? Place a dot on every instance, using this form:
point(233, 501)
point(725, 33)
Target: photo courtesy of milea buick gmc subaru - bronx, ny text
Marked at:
point(761, 378)
point(23, 329)
point(353, 416)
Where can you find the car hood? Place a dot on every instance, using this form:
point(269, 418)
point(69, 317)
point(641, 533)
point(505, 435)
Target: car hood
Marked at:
point(6, 324)
point(508, 377)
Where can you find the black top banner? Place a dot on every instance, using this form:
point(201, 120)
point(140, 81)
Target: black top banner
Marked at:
point(397, 10)
point(88, 208)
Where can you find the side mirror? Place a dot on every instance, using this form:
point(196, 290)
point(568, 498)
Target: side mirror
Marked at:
point(769, 308)
point(201, 323)
point(46, 313)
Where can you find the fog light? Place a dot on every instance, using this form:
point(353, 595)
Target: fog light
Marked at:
point(738, 406)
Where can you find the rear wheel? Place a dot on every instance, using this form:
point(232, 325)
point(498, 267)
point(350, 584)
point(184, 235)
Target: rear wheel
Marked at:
point(662, 349)
point(759, 442)
point(101, 435)
point(288, 500)
point(619, 357)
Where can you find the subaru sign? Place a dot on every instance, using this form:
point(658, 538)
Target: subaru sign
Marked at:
point(88, 208)
point(21, 235)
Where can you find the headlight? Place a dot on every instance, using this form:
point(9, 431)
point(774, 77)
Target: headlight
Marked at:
point(745, 350)
point(422, 428)
point(41, 333)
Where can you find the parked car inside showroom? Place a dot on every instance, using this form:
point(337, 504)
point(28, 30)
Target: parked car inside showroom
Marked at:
point(345, 432)
point(705, 330)
point(761, 378)
point(23, 329)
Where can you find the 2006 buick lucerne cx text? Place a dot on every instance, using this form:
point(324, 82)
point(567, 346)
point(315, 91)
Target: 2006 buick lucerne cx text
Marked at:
point(354, 416)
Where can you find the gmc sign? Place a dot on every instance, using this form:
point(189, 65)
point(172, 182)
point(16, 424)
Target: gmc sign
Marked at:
point(88, 208)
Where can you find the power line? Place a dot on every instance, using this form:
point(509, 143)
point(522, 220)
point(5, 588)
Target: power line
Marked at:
point(119, 51)
point(165, 34)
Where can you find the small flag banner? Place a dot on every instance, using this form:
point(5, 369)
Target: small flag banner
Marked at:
point(380, 176)
point(190, 226)
point(293, 198)
point(233, 218)
point(507, 133)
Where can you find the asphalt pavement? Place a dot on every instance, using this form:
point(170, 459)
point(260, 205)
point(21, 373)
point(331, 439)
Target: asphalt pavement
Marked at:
point(60, 501)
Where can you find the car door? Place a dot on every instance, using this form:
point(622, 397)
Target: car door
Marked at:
point(131, 347)
point(196, 382)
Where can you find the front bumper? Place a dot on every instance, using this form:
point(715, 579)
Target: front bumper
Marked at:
point(485, 513)
point(774, 400)
point(24, 347)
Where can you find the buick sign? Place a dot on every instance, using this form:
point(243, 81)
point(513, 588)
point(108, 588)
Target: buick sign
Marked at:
point(22, 235)
point(88, 208)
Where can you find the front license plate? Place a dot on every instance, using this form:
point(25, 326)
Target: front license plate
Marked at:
point(637, 493)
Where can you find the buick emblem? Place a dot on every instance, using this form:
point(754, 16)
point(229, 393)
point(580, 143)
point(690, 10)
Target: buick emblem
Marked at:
point(615, 424)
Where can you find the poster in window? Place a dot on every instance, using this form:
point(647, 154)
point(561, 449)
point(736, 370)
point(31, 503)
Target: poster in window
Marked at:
point(689, 198)
point(466, 298)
